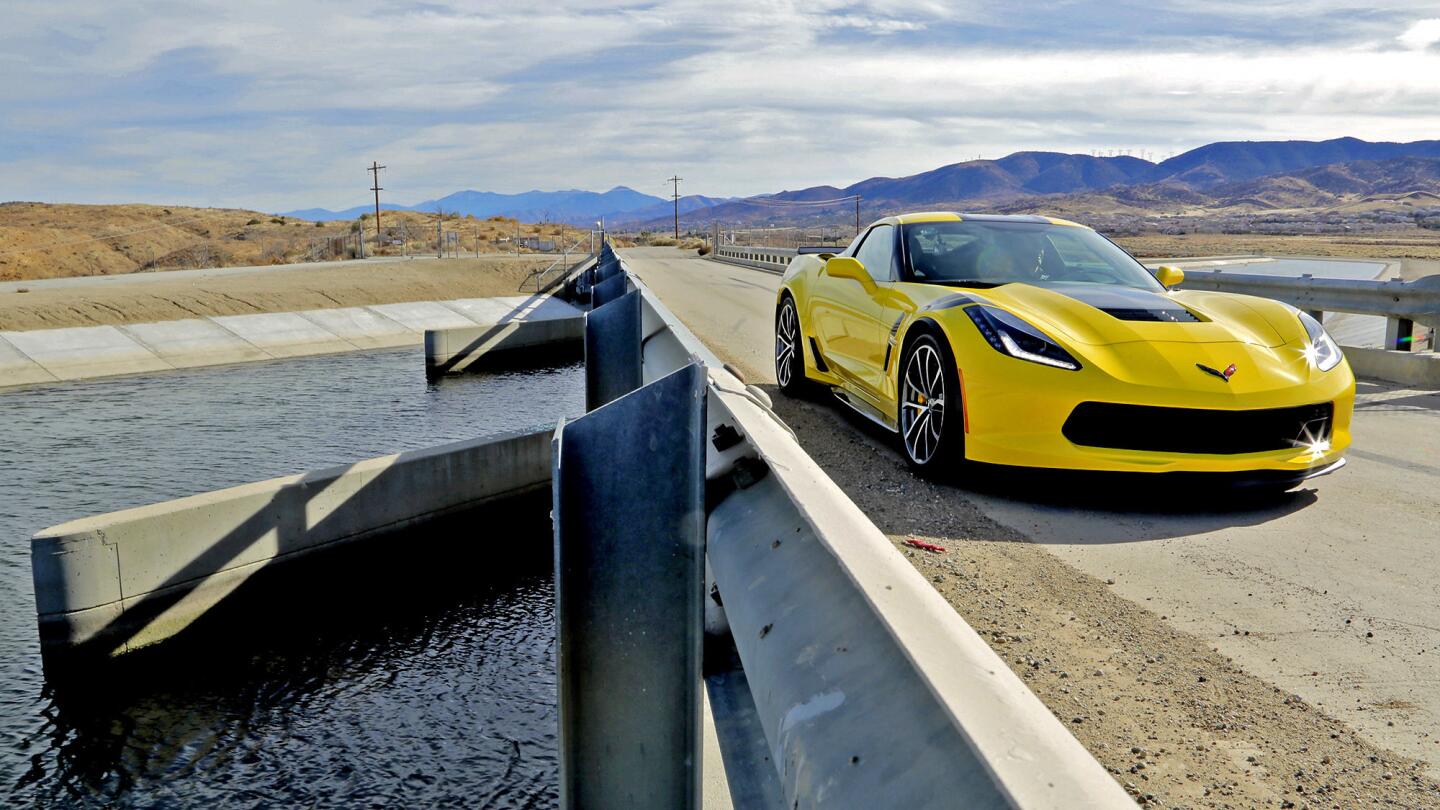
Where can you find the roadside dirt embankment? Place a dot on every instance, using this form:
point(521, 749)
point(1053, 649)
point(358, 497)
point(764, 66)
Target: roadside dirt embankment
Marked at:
point(148, 297)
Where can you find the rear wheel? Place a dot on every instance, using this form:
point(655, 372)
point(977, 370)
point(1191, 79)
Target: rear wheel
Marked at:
point(789, 351)
point(932, 429)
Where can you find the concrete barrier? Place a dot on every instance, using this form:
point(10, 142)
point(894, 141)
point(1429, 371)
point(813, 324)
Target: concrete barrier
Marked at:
point(110, 584)
point(1418, 369)
point(49, 355)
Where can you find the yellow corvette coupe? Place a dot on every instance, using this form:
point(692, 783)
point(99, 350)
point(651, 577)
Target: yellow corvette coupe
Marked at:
point(1036, 342)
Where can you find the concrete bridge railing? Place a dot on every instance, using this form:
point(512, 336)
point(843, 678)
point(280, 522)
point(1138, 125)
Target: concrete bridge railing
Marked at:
point(857, 684)
point(761, 258)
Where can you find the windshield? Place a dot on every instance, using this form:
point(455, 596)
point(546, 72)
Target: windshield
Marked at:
point(991, 253)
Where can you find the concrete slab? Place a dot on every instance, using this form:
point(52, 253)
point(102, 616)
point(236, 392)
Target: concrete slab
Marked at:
point(531, 308)
point(513, 307)
point(193, 342)
point(422, 315)
point(484, 311)
point(364, 328)
point(284, 334)
point(85, 351)
point(17, 369)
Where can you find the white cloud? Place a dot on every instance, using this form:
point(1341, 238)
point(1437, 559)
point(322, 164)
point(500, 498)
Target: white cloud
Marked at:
point(1422, 34)
point(288, 101)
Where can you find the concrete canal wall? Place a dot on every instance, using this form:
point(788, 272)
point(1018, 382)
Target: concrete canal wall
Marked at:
point(120, 581)
point(52, 355)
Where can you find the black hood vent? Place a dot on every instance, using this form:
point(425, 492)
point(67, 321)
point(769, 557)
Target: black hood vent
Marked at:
point(1129, 303)
point(1176, 315)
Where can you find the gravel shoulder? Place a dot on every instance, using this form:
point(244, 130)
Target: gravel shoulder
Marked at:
point(150, 297)
point(1176, 722)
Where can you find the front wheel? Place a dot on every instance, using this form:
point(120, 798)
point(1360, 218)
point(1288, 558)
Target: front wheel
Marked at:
point(789, 352)
point(932, 417)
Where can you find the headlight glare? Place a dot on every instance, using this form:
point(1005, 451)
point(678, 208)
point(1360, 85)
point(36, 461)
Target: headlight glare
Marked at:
point(1322, 351)
point(1013, 336)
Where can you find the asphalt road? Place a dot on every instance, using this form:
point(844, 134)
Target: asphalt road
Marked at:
point(1331, 593)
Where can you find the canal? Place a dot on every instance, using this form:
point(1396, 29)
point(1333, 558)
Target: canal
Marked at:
point(330, 685)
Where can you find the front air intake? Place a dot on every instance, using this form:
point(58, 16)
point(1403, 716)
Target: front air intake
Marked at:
point(1195, 430)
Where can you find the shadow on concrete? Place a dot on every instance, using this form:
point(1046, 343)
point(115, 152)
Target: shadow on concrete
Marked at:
point(867, 462)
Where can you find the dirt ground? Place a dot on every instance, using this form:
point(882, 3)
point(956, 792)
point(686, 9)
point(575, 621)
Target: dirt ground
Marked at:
point(151, 298)
point(1177, 723)
point(41, 240)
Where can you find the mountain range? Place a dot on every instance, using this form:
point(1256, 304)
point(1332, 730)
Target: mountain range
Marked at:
point(572, 205)
point(1260, 174)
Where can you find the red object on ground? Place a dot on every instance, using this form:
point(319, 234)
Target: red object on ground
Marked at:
point(921, 544)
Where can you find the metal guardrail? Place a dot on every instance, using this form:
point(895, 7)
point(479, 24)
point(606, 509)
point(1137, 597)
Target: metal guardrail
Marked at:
point(863, 686)
point(562, 264)
point(1401, 303)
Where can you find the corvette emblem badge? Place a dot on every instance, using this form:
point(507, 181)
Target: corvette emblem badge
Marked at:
point(1223, 375)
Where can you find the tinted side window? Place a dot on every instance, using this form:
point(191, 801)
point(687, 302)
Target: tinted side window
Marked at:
point(877, 252)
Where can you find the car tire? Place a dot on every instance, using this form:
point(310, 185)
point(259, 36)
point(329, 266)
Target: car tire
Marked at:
point(931, 413)
point(790, 350)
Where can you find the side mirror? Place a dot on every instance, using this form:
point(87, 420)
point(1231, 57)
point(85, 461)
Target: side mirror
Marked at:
point(1169, 275)
point(851, 268)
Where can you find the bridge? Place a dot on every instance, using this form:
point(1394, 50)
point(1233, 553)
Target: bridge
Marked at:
point(1329, 593)
point(865, 637)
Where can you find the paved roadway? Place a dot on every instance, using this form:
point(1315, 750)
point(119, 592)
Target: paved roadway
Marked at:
point(1332, 593)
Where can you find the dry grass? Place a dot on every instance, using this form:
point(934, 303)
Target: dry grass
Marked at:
point(39, 240)
point(1417, 245)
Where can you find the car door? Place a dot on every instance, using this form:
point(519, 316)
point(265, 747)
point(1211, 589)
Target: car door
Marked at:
point(848, 317)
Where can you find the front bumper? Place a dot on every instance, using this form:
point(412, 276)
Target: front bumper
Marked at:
point(1016, 410)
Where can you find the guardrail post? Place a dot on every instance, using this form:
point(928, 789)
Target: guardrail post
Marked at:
point(1399, 333)
point(629, 511)
point(608, 290)
point(612, 350)
point(1317, 314)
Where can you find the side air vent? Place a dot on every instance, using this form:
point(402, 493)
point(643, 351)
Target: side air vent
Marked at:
point(1163, 315)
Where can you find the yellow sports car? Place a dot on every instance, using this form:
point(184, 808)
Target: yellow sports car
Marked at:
point(1036, 342)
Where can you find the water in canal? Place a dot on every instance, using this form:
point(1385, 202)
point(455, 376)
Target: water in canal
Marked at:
point(334, 687)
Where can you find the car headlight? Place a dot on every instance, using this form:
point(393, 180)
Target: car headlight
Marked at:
point(1012, 336)
point(1322, 351)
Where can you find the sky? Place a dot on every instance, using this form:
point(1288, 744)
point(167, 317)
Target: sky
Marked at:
point(281, 105)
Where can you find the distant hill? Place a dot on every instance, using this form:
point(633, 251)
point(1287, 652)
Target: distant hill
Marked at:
point(573, 206)
point(1259, 174)
point(1232, 161)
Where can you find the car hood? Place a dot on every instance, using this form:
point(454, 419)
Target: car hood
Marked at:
point(1104, 315)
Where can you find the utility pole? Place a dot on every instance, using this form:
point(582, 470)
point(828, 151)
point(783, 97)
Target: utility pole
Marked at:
point(675, 195)
point(375, 187)
point(857, 214)
point(439, 245)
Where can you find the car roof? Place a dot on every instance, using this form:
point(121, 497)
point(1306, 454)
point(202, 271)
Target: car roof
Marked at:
point(954, 216)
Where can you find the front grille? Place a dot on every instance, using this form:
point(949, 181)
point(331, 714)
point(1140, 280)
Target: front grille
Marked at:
point(1163, 315)
point(1194, 430)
